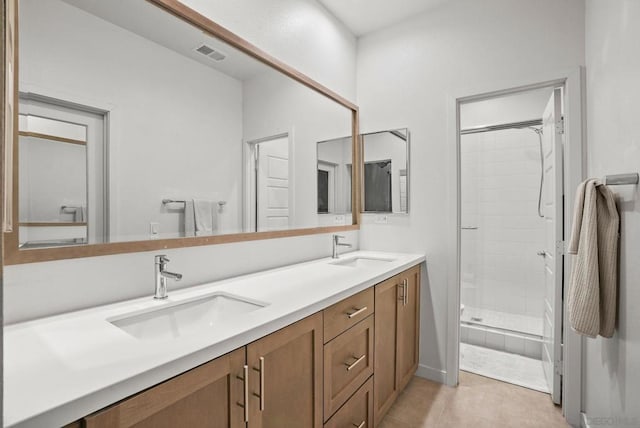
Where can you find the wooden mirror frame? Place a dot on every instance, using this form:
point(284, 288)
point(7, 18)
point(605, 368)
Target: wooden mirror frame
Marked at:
point(13, 255)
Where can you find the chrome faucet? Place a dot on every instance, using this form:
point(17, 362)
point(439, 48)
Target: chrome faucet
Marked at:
point(336, 244)
point(162, 275)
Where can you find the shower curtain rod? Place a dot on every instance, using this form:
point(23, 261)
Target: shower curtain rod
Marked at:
point(499, 127)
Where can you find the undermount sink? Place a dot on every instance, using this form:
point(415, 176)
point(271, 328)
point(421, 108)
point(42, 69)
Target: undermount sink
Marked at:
point(187, 317)
point(362, 261)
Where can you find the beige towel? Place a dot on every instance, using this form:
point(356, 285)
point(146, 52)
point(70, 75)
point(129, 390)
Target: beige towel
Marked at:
point(594, 240)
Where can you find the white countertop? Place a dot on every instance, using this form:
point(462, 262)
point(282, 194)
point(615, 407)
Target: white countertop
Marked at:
point(59, 369)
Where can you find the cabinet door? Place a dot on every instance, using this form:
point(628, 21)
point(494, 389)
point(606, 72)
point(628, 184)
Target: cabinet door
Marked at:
point(286, 377)
point(206, 396)
point(386, 332)
point(408, 326)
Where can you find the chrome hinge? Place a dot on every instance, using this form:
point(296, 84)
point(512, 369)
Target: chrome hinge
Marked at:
point(558, 367)
point(560, 126)
point(256, 157)
point(560, 248)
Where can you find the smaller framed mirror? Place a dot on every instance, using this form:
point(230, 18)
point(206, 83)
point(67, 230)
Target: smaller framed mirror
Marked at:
point(385, 174)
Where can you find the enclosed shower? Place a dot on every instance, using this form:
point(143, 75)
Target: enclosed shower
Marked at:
point(502, 241)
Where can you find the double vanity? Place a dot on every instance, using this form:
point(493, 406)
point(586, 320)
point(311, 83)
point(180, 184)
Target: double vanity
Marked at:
point(328, 342)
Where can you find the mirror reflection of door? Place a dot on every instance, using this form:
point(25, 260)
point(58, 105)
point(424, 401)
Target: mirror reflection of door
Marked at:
point(270, 185)
point(61, 180)
point(326, 187)
point(377, 175)
point(334, 159)
point(403, 191)
point(386, 171)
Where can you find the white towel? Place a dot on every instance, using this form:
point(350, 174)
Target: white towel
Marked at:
point(189, 219)
point(80, 214)
point(205, 216)
point(594, 239)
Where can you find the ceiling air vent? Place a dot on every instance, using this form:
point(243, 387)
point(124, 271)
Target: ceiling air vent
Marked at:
point(210, 52)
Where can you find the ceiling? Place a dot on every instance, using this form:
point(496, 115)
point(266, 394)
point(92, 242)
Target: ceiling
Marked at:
point(153, 23)
point(366, 16)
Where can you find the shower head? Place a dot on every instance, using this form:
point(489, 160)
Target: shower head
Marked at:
point(536, 130)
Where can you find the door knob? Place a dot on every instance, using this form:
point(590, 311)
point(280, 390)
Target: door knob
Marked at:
point(542, 253)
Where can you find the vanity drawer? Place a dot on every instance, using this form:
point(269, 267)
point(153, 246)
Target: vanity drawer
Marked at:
point(348, 363)
point(357, 412)
point(347, 313)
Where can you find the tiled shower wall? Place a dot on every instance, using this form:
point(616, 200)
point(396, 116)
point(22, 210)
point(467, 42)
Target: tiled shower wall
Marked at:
point(500, 180)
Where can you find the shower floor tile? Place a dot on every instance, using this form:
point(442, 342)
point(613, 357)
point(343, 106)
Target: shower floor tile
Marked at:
point(511, 368)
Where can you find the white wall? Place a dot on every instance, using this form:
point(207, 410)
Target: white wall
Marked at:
point(612, 366)
point(298, 32)
point(407, 75)
point(161, 122)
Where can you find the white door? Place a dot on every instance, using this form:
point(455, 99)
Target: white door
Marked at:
point(86, 175)
point(553, 251)
point(272, 184)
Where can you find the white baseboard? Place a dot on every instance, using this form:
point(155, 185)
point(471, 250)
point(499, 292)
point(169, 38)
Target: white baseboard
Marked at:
point(584, 420)
point(430, 373)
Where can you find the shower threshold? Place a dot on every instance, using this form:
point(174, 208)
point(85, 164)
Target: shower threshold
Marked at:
point(504, 321)
point(489, 328)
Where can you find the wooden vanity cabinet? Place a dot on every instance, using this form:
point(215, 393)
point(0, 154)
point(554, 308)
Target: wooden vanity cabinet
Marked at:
point(344, 365)
point(397, 302)
point(206, 396)
point(408, 327)
point(286, 377)
point(284, 388)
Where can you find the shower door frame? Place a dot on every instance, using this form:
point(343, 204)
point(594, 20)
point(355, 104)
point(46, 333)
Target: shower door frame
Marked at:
point(574, 166)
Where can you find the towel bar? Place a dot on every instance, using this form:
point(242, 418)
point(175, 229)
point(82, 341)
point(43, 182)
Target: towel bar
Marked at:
point(621, 179)
point(182, 201)
point(172, 201)
point(69, 207)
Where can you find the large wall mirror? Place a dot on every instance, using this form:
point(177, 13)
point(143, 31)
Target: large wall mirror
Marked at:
point(136, 123)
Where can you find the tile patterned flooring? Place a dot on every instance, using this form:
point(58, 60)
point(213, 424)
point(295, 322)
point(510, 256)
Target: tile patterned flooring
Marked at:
point(478, 402)
point(504, 366)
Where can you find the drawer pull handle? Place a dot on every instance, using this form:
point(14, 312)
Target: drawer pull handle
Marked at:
point(245, 380)
point(361, 425)
point(355, 363)
point(402, 292)
point(261, 395)
point(406, 292)
point(356, 312)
